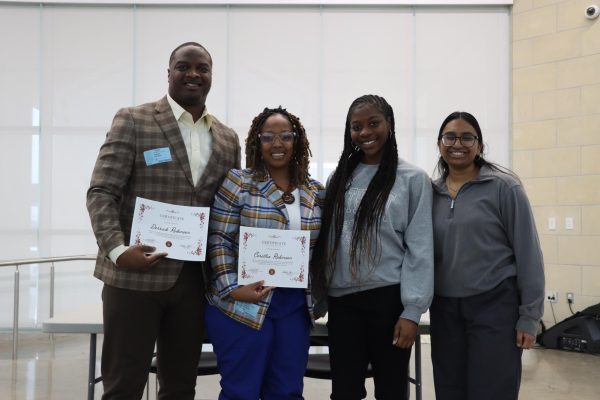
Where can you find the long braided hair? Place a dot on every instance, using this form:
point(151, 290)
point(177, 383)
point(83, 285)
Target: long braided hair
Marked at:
point(301, 154)
point(365, 232)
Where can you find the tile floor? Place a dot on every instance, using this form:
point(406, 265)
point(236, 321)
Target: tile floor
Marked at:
point(46, 371)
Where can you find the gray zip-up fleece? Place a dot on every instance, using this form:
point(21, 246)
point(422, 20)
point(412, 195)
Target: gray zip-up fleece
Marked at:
point(485, 235)
point(405, 239)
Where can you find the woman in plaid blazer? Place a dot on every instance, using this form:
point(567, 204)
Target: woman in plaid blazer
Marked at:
point(261, 334)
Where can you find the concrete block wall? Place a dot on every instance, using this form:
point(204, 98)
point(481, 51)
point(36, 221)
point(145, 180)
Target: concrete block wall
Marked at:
point(556, 141)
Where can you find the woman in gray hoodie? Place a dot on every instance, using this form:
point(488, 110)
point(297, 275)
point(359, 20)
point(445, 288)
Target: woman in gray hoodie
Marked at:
point(489, 276)
point(374, 258)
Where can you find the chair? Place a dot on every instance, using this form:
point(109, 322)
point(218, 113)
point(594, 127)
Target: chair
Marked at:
point(318, 364)
point(206, 366)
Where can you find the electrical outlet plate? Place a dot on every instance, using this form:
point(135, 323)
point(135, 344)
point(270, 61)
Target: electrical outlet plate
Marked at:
point(570, 297)
point(569, 223)
point(551, 296)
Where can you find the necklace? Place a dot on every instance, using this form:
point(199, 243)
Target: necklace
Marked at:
point(287, 196)
point(450, 188)
point(453, 190)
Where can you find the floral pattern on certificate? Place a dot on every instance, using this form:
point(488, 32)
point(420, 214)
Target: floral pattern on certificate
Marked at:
point(198, 250)
point(244, 274)
point(300, 277)
point(245, 237)
point(202, 217)
point(142, 210)
point(302, 240)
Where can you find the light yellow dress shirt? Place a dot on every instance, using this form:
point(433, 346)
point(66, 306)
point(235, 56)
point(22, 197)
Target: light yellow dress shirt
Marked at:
point(196, 136)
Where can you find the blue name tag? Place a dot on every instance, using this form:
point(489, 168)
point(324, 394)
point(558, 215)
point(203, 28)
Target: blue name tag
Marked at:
point(246, 310)
point(157, 156)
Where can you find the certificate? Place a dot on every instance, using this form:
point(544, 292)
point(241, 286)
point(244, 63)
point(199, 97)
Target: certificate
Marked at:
point(279, 257)
point(180, 231)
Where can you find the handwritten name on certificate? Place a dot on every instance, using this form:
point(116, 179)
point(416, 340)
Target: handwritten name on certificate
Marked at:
point(180, 231)
point(279, 257)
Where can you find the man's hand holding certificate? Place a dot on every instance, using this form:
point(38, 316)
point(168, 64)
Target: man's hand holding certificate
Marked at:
point(180, 231)
point(277, 257)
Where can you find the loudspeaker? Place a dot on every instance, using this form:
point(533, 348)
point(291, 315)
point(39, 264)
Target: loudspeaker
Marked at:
point(580, 332)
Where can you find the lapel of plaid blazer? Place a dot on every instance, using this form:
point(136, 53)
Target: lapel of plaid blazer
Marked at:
point(270, 191)
point(168, 124)
point(307, 202)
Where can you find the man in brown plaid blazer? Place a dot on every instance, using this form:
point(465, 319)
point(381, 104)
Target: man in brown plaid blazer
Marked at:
point(171, 151)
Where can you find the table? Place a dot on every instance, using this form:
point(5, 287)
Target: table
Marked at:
point(320, 329)
point(84, 319)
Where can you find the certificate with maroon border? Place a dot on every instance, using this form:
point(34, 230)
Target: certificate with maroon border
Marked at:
point(181, 231)
point(279, 257)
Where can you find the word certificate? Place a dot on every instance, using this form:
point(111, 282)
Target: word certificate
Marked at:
point(279, 257)
point(180, 231)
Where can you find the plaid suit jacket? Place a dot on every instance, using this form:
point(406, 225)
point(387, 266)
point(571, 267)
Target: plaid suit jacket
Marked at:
point(244, 201)
point(121, 174)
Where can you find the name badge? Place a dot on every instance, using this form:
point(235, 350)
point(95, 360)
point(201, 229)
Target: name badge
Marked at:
point(157, 156)
point(246, 310)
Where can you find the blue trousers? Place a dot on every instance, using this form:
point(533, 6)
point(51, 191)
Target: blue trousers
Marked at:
point(265, 364)
point(473, 345)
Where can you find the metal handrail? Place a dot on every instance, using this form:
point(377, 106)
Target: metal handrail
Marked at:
point(44, 260)
point(29, 261)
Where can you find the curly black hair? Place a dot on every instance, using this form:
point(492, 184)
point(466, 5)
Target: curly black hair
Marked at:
point(300, 158)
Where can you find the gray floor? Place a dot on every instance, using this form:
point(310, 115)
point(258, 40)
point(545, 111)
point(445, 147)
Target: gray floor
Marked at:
point(59, 371)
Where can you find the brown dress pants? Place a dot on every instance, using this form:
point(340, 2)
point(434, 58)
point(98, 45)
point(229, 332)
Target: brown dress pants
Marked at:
point(135, 320)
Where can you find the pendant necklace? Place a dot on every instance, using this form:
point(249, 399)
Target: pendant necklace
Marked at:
point(287, 196)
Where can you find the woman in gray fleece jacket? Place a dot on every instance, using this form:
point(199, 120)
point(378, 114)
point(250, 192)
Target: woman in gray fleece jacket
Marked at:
point(489, 276)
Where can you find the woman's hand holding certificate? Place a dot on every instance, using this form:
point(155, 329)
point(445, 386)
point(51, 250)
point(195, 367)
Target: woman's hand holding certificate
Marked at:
point(251, 293)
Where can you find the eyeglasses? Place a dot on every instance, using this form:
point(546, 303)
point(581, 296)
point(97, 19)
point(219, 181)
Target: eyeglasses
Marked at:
point(284, 137)
point(466, 139)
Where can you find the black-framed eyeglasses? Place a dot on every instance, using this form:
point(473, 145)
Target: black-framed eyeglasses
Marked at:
point(467, 140)
point(284, 137)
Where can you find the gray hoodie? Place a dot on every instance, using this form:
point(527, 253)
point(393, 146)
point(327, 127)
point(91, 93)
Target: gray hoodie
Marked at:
point(405, 239)
point(485, 235)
